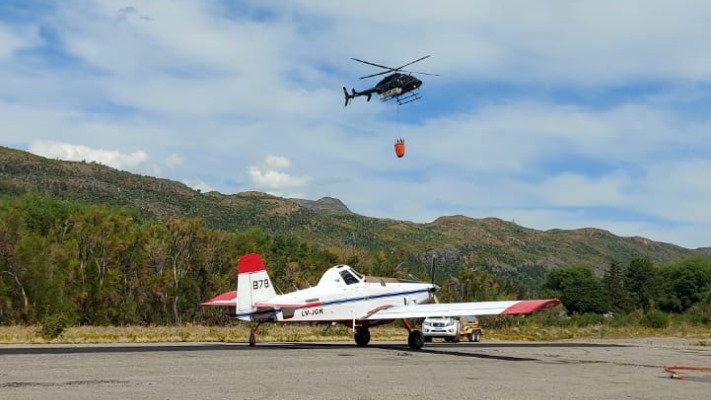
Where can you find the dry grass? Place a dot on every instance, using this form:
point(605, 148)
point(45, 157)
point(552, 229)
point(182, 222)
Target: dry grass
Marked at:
point(190, 333)
point(306, 333)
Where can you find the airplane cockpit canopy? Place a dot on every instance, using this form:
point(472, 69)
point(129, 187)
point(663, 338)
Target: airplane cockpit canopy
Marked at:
point(342, 274)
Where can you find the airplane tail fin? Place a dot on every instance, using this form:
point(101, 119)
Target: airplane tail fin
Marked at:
point(253, 283)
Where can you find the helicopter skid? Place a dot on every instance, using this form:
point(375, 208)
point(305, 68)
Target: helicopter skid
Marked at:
point(408, 98)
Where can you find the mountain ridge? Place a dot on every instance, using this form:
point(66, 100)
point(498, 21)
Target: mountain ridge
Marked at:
point(328, 222)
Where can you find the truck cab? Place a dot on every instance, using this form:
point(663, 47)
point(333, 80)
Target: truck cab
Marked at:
point(451, 329)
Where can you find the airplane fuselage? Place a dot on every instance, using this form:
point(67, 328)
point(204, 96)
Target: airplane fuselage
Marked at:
point(341, 300)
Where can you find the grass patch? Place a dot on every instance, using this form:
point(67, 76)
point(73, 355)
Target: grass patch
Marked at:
point(239, 332)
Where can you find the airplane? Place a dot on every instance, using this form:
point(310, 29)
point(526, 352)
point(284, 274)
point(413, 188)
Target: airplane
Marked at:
point(397, 85)
point(347, 297)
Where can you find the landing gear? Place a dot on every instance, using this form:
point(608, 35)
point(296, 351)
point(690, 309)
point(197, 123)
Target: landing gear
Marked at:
point(416, 339)
point(252, 336)
point(362, 336)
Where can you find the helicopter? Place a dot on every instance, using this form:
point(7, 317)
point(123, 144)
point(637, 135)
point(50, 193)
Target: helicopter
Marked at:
point(400, 85)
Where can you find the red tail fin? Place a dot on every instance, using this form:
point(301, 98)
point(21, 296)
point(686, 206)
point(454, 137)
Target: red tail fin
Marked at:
point(251, 262)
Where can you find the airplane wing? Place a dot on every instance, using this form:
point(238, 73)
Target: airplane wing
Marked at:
point(510, 307)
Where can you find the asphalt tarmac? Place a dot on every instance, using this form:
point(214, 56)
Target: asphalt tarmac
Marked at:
point(615, 369)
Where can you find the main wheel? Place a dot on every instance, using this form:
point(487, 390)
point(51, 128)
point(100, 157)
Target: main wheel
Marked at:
point(362, 336)
point(252, 339)
point(416, 340)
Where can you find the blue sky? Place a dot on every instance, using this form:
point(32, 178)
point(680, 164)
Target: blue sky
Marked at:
point(552, 114)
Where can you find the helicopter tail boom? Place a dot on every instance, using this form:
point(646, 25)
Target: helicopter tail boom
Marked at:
point(353, 94)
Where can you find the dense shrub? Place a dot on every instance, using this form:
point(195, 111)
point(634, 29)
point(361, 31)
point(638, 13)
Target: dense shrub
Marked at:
point(655, 319)
point(53, 326)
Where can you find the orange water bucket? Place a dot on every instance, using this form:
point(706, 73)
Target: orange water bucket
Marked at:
point(400, 148)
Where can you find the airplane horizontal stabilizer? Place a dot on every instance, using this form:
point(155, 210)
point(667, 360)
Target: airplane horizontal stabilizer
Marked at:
point(225, 299)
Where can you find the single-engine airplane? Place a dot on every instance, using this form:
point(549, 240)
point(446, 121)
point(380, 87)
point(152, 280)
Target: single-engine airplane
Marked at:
point(345, 296)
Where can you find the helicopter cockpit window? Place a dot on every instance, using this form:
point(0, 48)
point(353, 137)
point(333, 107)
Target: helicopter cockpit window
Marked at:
point(348, 278)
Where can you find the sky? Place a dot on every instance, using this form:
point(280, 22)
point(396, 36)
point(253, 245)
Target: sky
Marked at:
point(549, 114)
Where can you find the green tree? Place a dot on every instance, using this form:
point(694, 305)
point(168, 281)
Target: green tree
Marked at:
point(641, 282)
point(578, 289)
point(613, 282)
point(684, 283)
point(470, 284)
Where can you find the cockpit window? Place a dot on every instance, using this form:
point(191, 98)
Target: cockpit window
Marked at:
point(360, 277)
point(348, 278)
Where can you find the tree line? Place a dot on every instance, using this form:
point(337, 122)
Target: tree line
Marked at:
point(102, 265)
point(679, 287)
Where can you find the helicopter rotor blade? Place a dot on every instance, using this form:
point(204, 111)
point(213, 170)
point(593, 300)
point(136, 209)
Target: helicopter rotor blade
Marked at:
point(379, 73)
point(390, 69)
point(373, 64)
point(421, 73)
point(412, 62)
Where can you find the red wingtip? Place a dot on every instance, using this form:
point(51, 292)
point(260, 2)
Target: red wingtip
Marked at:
point(251, 262)
point(529, 306)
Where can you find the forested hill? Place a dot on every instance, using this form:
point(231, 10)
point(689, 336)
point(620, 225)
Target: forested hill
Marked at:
point(457, 241)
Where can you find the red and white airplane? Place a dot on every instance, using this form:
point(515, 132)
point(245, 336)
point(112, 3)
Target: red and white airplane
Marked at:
point(344, 296)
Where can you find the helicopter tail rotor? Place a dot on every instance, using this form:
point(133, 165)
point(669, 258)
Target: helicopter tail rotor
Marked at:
point(351, 96)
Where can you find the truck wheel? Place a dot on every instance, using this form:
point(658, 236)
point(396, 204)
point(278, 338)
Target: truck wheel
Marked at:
point(477, 336)
point(470, 336)
point(455, 338)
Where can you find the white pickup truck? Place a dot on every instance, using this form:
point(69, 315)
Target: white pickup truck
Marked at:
point(451, 328)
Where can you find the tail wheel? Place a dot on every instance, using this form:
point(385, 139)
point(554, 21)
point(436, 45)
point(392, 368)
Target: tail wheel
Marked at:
point(253, 334)
point(362, 336)
point(416, 340)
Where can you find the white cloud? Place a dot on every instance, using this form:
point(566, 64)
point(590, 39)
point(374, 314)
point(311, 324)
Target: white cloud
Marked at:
point(576, 190)
point(72, 152)
point(12, 40)
point(174, 161)
point(271, 176)
point(199, 185)
point(540, 108)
